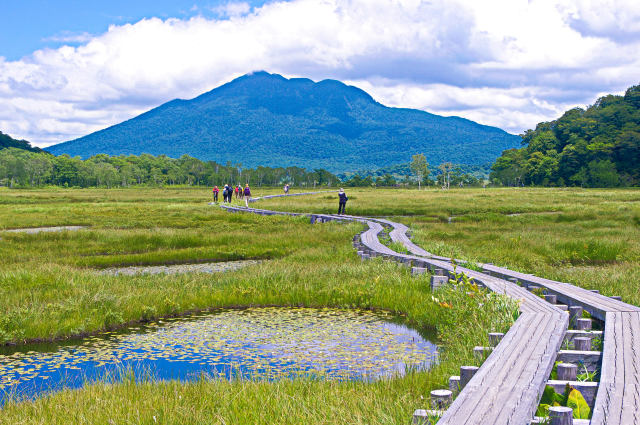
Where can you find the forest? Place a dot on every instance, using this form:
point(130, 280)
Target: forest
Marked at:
point(22, 168)
point(7, 141)
point(594, 147)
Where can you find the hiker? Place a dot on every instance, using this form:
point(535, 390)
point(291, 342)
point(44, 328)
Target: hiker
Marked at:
point(215, 194)
point(237, 190)
point(240, 193)
point(342, 201)
point(247, 195)
point(226, 193)
point(286, 189)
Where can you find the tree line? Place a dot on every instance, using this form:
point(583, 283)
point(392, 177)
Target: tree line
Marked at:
point(23, 168)
point(594, 147)
point(416, 173)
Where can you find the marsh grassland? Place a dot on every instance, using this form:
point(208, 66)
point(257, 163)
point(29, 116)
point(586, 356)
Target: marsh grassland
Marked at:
point(50, 287)
point(587, 237)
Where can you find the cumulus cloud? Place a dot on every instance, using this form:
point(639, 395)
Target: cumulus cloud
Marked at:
point(232, 9)
point(509, 63)
point(618, 20)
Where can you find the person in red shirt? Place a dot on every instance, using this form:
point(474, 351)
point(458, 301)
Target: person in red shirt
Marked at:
point(215, 194)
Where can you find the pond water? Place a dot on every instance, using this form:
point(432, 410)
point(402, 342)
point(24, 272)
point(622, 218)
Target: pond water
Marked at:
point(257, 343)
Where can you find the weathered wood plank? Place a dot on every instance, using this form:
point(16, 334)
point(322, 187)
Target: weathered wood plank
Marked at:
point(507, 387)
point(618, 398)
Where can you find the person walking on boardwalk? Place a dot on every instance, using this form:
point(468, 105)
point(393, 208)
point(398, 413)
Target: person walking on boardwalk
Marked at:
point(240, 193)
point(237, 190)
point(286, 189)
point(215, 194)
point(227, 193)
point(342, 201)
point(247, 195)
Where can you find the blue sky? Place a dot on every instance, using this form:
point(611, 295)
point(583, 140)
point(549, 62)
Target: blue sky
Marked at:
point(68, 68)
point(29, 25)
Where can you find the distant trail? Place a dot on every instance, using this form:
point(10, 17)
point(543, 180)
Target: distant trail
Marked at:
point(508, 386)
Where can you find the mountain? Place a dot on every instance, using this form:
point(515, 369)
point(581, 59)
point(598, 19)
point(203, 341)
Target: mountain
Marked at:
point(7, 141)
point(266, 119)
point(594, 147)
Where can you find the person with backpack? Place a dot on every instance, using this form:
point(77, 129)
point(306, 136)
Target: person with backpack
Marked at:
point(240, 193)
point(215, 194)
point(226, 193)
point(247, 195)
point(342, 201)
point(237, 190)
point(286, 189)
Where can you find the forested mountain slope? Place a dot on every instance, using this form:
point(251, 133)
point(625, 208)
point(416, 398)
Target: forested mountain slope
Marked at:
point(266, 119)
point(596, 147)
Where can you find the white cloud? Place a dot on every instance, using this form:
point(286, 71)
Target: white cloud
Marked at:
point(70, 37)
point(232, 9)
point(510, 63)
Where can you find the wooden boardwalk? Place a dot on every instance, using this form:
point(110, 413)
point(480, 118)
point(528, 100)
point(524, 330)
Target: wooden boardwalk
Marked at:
point(508, 386)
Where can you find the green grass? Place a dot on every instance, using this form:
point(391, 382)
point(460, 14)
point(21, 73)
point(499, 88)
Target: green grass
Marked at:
point(209, 401)
point(587, 237)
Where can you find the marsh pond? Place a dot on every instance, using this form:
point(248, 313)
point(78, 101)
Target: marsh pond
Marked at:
point(255, 343)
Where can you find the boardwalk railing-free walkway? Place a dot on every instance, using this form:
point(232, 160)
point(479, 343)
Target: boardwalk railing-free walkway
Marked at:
point(507, 387)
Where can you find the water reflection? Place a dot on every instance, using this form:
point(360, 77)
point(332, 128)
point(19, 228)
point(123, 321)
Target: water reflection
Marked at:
point(257, 343)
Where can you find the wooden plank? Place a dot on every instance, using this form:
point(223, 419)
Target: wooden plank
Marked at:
point(598, 305)
point(507, 387)
point(588, 389)
point(571, 334)
point(588, 359)
point(618, 399)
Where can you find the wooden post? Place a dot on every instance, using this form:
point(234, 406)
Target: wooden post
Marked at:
point(575, 312)
point(417, 270)
point(567, 372)
point(582, 344)
point(560, 415)
point(584, 324)
point(563, 307)
point(495, 338)
point(441, 399)
point(466, 373)
point(420, 417)
point(438, 272)
point(454, 384)
point(438, 281)
point(481, 353)
point(550, 298)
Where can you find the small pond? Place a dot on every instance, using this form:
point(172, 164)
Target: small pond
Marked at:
point(257, 343)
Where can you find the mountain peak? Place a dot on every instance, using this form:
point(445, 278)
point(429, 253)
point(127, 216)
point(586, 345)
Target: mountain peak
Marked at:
point(266, 119)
